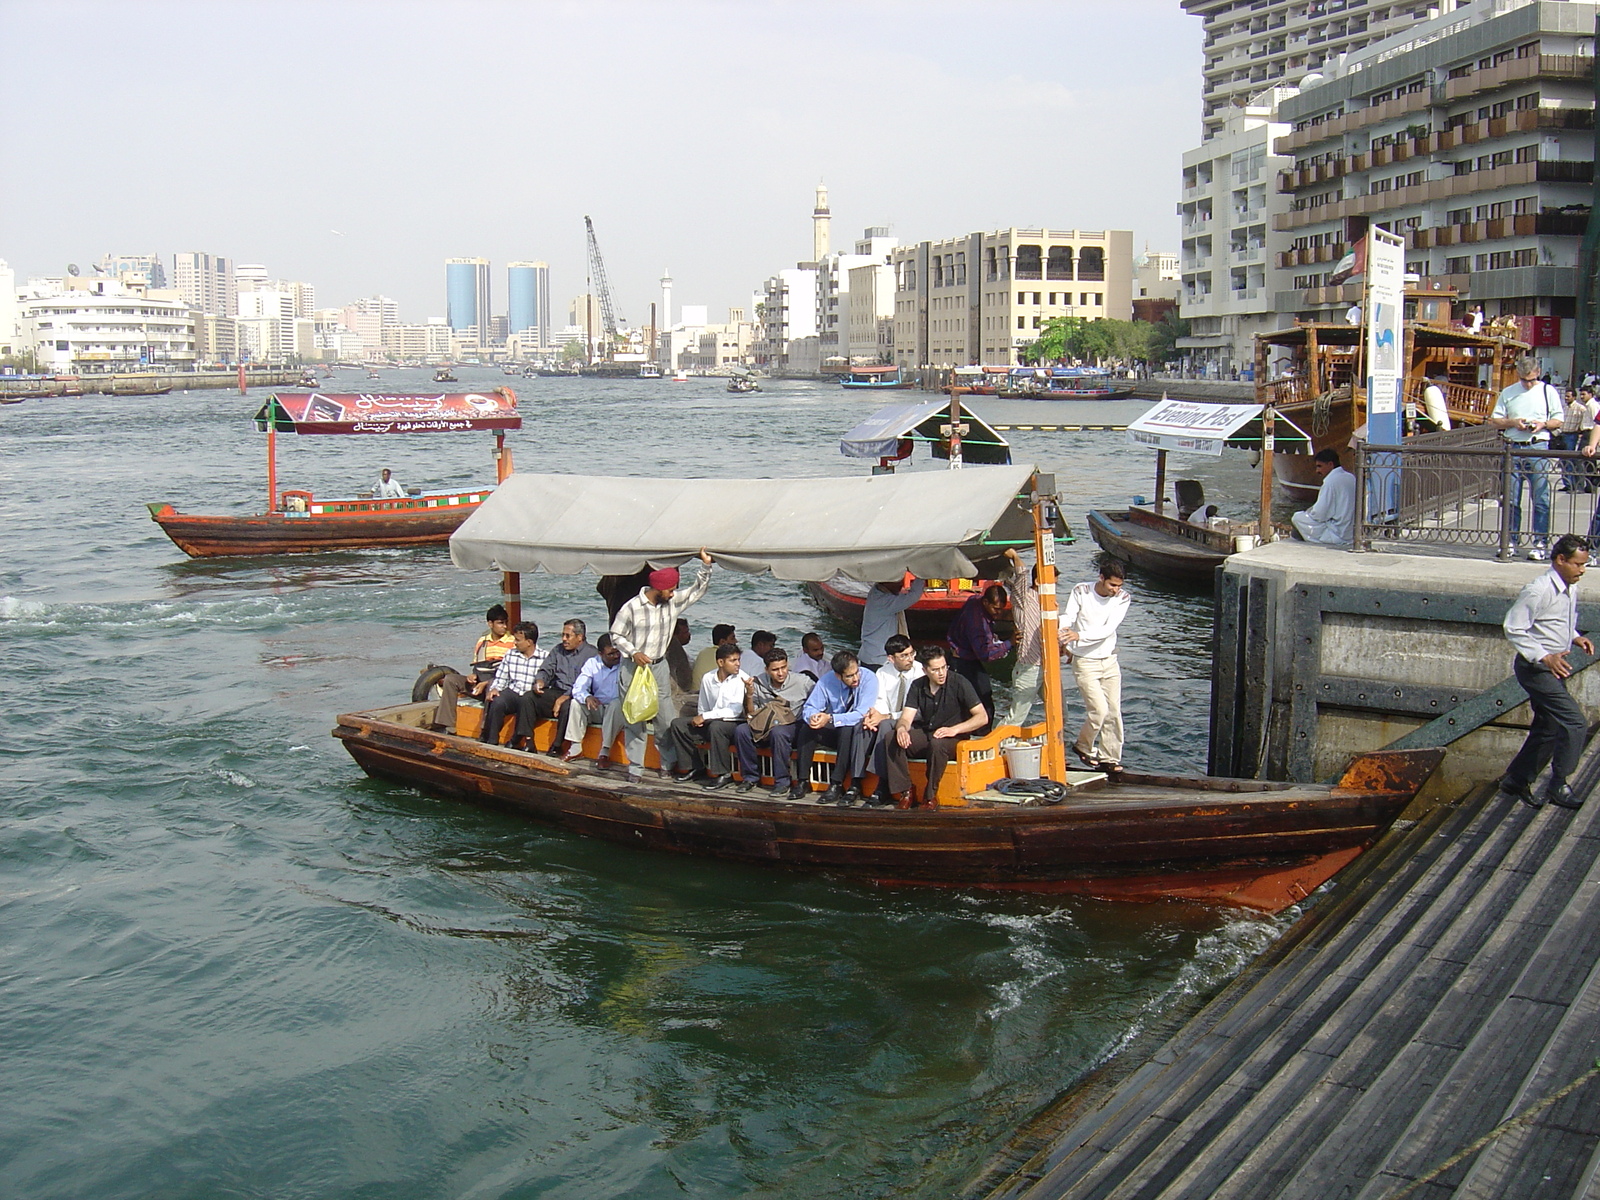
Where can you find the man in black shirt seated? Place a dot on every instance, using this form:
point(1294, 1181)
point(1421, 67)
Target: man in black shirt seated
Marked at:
point(940, 709)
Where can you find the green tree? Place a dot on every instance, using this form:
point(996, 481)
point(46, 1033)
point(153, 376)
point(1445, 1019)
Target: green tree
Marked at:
point(572, 352)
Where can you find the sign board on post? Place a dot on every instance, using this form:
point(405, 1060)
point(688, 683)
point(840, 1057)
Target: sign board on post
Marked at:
point(1186, 425)
point(1385, 320)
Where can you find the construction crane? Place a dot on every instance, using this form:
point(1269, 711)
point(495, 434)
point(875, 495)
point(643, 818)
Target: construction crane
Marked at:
point(597, 273)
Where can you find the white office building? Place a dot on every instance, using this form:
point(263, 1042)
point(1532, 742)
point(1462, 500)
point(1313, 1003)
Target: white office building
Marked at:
point(98, 325)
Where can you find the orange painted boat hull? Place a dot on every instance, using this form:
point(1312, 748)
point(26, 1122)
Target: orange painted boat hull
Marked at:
point(363, 528)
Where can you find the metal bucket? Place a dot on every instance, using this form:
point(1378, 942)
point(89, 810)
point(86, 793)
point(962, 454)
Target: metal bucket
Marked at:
point(1022, 758)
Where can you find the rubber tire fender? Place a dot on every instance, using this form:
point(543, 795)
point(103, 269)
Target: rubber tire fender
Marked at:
point(427, 685)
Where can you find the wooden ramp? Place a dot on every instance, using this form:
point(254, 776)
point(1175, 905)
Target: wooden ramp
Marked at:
point(1452, 982)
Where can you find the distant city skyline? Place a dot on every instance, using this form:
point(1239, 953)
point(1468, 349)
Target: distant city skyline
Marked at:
point(370, 161)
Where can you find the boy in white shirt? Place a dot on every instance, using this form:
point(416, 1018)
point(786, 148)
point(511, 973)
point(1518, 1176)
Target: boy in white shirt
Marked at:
point(720, 710)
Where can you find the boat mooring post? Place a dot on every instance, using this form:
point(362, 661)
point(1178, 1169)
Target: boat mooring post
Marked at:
point(242, 388)
point(1266, 473)
point(1161, 480)
point(1054, 762)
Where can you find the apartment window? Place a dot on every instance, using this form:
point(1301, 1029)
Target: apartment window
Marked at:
point(1526, 154)
point(1022, 322)
point(1458, 266)
point(1460, 72)
point(961, 267)
point(1489, 162)
point(1502, 108)
point(938, 271)
point(1030, 262)
point(1464, 167)
point(1491, 212)
point(1458, 216)
point(1505, 56)
point(1483, 114)
point(1457, 121)
point(1098, 298)
point(1036, 297)
point(1059, 263)
point(1036, 324)
point(1022, 297)
point(1531, 100)
point(1526, 206)
point(1091, 263)
point(989, 270)
point(1527, 50)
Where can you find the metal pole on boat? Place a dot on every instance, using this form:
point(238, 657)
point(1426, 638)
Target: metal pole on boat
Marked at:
point(1265, 531)
point(955, 426)
point(1161, 480)
point(272, 455)
point(1054, 759)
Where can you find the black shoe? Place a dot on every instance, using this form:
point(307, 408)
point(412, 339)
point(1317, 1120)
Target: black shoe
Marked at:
point(748, 784)
point(713, 782)
point(880, 800)
point(797, 790)
point(680, 776)
point(1561, 796)
point(833, 795)
point(851, 797)
point(1522, 792)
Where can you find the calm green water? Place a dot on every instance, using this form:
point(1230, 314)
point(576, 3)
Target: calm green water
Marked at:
point(233, 966)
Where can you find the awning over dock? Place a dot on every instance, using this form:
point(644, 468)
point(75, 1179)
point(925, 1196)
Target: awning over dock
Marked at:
point(369, 413)
point(881, 435)
point(931, 523)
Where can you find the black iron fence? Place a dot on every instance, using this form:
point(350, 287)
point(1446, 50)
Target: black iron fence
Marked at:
point(1471, 487)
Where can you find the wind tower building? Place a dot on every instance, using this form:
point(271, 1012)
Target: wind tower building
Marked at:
point(528, 301)
point(820, 241)
point(466, 285)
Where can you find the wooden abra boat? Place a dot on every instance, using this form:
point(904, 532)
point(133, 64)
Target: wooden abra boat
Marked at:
point(297, 522)
point(1163, 545)
point(1138, 837)
point(873, 379)
point(1247, 843)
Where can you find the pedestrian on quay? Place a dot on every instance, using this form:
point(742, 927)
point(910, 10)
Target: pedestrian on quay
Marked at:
point(1542, 626)
point(1089, 622)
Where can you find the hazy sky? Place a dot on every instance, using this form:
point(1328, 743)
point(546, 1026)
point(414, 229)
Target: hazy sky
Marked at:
point(693, 133)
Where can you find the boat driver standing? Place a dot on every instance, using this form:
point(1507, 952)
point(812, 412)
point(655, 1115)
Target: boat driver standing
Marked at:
point(643, 631)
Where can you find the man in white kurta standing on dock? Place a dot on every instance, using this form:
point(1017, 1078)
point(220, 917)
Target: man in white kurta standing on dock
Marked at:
point(1542, 625)
point(1089, 622)
point(1331, 521)
point(643, 632)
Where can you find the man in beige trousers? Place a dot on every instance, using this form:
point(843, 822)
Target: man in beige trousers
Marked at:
point(1089, 621)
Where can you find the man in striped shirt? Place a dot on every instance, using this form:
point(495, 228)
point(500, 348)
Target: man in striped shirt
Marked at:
point(513, 679)
point(1542, 625)
point(643, 632)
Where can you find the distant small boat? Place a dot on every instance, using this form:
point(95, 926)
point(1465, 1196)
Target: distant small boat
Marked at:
point(372, 374)
point(445, 375)
point(743, 383)
point(310, 379)
point(874, 378)
point(680, 377)
point(649, 371)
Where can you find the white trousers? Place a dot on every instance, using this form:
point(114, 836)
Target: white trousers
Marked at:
point(1314, 529)
point(1100, 681)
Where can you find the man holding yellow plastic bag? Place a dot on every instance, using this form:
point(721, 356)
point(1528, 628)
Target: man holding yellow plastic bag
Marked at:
point(643, 632)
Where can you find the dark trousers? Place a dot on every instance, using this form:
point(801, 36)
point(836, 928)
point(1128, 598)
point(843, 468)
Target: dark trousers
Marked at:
point(1557, 733)
point(974, 673)
point(718, 759)
point(842, 741)
point(939, 752)
point(780, 738)
point(540, 706)
point(495, 712)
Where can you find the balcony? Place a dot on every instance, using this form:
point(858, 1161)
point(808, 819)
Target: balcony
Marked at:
point(1548, 66)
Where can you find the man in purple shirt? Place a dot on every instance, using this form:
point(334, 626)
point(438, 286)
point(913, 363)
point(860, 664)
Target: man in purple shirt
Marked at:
point(973, 642)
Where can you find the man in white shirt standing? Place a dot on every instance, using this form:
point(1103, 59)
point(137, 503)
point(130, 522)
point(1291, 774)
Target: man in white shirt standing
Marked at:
point(388, 487)
point(1332, 519)
point(1089, 622)
point(721, 709)
point(1542, 625)
point(1525, 414)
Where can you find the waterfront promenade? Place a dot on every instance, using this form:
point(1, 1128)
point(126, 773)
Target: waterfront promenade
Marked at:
point(1451, 982)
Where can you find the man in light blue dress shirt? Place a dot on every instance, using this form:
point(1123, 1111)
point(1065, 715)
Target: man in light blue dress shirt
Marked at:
point(1542, 625)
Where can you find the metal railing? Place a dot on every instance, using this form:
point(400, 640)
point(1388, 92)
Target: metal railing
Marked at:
point(1471, 487)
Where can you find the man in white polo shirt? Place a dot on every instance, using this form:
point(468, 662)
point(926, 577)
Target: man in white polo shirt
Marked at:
point(1525, 414)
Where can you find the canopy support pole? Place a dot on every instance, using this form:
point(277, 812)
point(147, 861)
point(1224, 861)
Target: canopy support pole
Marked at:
point(510, 581)
point(955, 427)
point(1161, 481)
point(272, 459)
point(1265, 531)
point(1054, 759)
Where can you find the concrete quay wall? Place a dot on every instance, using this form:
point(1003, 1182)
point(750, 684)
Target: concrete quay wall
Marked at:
point(1321, 654)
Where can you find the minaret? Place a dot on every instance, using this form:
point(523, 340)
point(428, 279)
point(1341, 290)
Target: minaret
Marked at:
point(819, 225)
point(666, 299)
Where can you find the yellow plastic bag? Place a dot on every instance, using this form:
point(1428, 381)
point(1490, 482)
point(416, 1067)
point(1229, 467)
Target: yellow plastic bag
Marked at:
point(643, 699)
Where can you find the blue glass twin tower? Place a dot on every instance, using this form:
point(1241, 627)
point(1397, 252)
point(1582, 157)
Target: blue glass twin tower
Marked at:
point(466, 285)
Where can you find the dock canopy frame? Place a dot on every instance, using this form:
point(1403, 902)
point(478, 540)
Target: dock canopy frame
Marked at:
point(374, 413)
point(1196, 427)
point(883, 434)
point(935, 524)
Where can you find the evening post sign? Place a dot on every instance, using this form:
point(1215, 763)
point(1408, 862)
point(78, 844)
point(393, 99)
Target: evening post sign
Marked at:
point(1385, 316)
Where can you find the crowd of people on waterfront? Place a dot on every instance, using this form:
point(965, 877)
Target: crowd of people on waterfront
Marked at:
point(876, 707)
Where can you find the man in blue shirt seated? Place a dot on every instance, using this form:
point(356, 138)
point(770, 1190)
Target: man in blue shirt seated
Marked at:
point(597, 695)
point(832, 717)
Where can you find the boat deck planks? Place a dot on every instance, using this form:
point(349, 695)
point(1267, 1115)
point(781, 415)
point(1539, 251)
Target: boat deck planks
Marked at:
point(1452, 981)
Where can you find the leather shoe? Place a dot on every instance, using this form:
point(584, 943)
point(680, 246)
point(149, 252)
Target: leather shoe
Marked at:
point(904, 800)
point(603, 763)
point(1522, 792)
point(572, 756)
point(850, 797)
point(833, 795)
point(712, 782)
point(1561, 796)
point(748, 785)
point(799, 790)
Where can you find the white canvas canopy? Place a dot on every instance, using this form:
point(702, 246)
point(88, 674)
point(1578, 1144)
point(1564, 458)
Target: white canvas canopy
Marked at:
point(869, 527)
